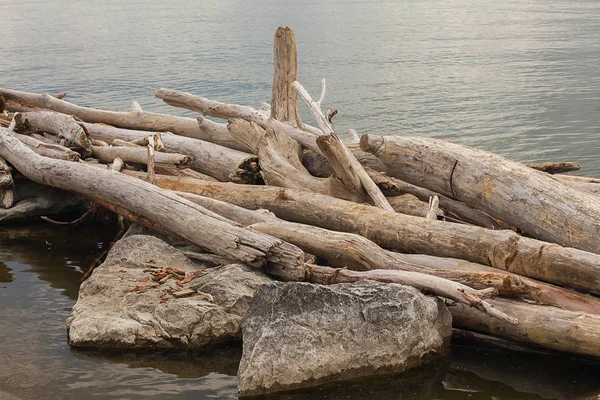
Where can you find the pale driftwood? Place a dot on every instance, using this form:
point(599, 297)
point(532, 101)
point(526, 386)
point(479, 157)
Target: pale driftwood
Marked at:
point(502, 249)
point(156, 205)
point(434, 206)
point(174, 171)
point(196, 128)
point(349, 250)
point(284, 107)
point(138, 155)
point(410, 205)
point(150, 158)
point(124, 143)
point(452, 208)
point(428, 283)
point(55, 123)
point(549, 327)
point(280, 164)
point(117, 164)
point(532, 201)
point(220, 162)
point(48, 149)
point(574, 178)
point(7, 185)
point(217, 109)
point(343, 162)
point(556, 167)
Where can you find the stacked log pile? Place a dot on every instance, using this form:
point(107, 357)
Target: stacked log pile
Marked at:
point(513, 249)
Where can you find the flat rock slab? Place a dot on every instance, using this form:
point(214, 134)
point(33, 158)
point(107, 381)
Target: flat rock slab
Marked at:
point(299, 335)
point(110, 313)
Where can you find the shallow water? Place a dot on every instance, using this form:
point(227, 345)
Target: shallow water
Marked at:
point(40, 270)
point(521, 78)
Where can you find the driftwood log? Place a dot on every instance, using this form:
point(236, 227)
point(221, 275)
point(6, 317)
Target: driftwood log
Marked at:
point(563, 330)
point(502, 249)
point(347, 250)
point(220, 162)
point(454, 209)
point(198, 128)
point(284, 105)
point(137, 155)
point(528, 199)
point(48, 149)
point(280, 164)
point(57, 124)
point(217, 109)
point(156, 205)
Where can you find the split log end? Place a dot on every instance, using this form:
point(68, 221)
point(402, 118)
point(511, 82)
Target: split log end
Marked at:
point(371, 143)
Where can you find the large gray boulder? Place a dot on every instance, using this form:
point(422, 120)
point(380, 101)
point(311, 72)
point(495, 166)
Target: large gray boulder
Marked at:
point(299, 335)
point(107, 315)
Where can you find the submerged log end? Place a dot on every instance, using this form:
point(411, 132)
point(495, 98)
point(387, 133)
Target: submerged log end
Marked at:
point(371, 143)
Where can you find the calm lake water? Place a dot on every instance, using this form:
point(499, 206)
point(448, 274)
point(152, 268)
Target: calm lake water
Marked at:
point(521, 78)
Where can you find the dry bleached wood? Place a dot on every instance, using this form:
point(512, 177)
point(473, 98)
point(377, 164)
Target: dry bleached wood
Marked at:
point(343, 250)
point(174, 213)
point(198, 128)
point(502, 249)
point(563, 330)
point(532, 201)
point(283, 101)
point(57, 124)
point(226, 111)
point(545, 334)
point(345, 165)
point(138, 155)
point(280, 164)
point(208, 158)
point(48, 149)
point(453, 208)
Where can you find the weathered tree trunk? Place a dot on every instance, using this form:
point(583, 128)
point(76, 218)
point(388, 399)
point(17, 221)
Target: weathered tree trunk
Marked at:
point(57, 124)
point(284, 105)
point(556, 167)
point(318, 165)
point(138, 155)
point(220, 162)
point(279, 160)
point(411, 205)
point(174, 213)
point(7, 185)
point(48, 149)
point(349, 250)
point(550, 327)
point(187, 172)
point(453, 208)
point(199, 128)
point(502, 249)
point(343, 162)
point(217, 109)
point(532, 201)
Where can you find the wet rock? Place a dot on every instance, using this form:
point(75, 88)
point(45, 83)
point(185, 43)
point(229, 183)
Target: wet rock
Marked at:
point(110, 313)
point(299, 335)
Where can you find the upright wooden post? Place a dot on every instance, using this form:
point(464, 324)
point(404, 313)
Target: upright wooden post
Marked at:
point(284, 106)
